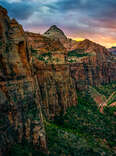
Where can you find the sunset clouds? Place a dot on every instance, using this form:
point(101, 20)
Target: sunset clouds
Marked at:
point(90, 19)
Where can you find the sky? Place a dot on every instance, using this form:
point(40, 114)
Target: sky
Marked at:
point(79, 19)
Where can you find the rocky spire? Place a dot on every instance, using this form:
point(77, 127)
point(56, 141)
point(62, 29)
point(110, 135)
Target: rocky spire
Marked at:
point(55, 33)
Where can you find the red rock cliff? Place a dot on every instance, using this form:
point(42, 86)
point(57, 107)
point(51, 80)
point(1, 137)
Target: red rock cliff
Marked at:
point(20, 111)
point(98, 67)
point(57, 88)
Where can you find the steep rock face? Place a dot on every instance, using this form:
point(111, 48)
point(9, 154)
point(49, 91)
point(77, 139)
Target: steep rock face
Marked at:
point(89, 47)
point(45, 49)
point(55, 33)
point(20, 111)
point(13, 49)
point(57, 89)
point(96, 68)
point(56, 85)
point(43, 43)
point(89, 74)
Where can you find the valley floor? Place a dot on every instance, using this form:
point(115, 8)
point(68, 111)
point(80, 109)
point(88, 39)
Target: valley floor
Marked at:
point(83, 130)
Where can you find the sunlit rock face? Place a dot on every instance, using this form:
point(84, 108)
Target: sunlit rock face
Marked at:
point(52, 50)
point(90, 63)
point(38, 79)
point(57, 88)
point(55, 33)
point(20, 111)
point(98, 67)
point(13, 49)
point(29, 85)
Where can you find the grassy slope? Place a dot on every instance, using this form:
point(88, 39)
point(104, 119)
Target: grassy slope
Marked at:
point(83, 130)
point(97, 97)
point(105, 93)
point(77, 53)
point(112, 98)
point(107, 89)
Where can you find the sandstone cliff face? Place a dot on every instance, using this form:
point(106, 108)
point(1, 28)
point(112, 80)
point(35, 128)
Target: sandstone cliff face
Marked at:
point(57, 88)
point(55, 33)
point(88, 46)
point(45, 50)
point(44, 44)
point(90, 63)
point(20, 111)
point(34, 80)
point(97, 68)
point(92, 74)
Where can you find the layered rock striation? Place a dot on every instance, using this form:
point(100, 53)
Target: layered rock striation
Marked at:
point(39, 75)
point(20, 111)
point(90, 63)
point(57, 88)
point(98, 67)
point(57, 34)
point(35, 82)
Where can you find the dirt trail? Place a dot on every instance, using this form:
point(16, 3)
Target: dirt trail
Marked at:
point(102, 105)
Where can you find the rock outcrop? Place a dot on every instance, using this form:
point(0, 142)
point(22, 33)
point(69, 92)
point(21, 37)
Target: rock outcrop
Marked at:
point(50, 65)
point(38, 74)
point(98, 67)
point(43, 43)
point(20, 111)
point(57, 89)
point(35, 81)
point(45, 49)
point(93, 64)
point(55, 33)
point(90, 63)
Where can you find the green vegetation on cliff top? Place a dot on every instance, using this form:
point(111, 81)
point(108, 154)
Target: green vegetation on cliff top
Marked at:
point(77, 53)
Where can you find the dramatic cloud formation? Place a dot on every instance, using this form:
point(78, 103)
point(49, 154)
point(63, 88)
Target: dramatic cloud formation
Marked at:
point(90, 19)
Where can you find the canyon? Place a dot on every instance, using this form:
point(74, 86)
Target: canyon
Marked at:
point(39, 79)
point(28, 89)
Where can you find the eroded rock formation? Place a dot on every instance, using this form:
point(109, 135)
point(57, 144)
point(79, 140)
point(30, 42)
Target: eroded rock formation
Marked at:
point(57, 88)
point(90, 63)
point(37, 78)
point(20, 111)
point(56, 33)
point(98, 67)
point(30, 87)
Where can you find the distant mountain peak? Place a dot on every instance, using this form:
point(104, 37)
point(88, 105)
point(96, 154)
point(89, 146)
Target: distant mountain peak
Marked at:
point(54, 26)
point(55, 33)
point(87, 40)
